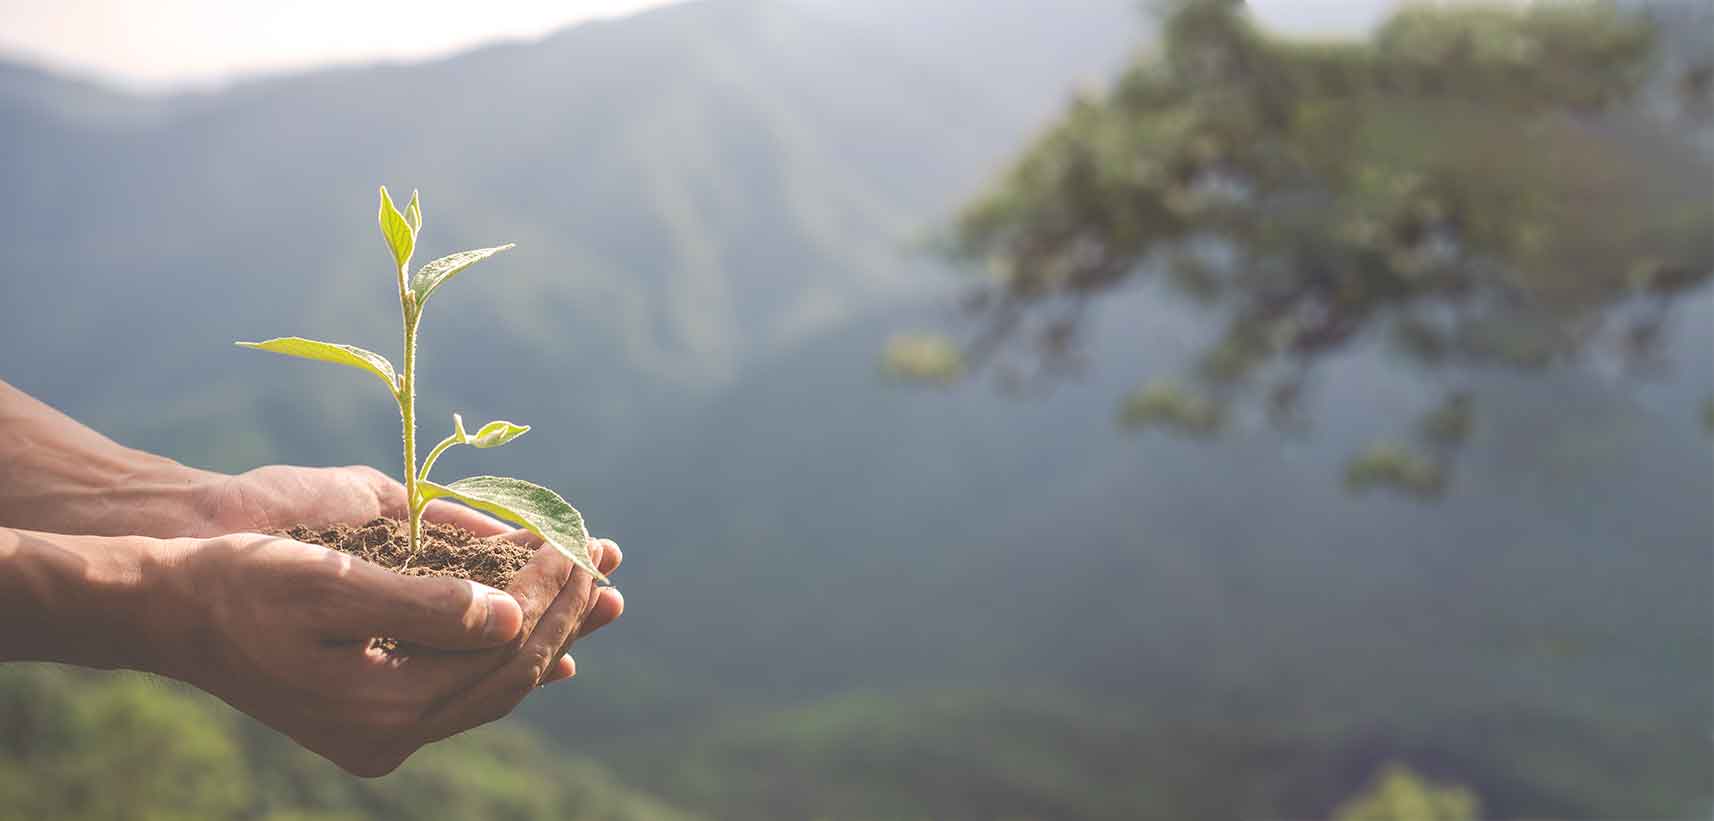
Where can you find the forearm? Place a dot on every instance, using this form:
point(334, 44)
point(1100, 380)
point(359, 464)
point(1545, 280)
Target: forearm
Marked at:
point(92, 601)
point(59, 476)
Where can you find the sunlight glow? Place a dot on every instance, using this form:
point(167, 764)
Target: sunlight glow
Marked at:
point(200, 43)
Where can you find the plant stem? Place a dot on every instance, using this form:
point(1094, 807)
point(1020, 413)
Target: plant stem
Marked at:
point(408, 410)
point(428, 464)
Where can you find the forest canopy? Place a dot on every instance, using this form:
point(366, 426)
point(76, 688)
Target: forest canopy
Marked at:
point(1477, 185)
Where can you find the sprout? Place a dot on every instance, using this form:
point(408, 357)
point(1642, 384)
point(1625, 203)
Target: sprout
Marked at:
point(537, 509)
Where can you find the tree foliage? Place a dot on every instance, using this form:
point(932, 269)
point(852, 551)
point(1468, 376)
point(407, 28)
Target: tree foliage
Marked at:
point(1470, 183)
point(1399, 794)
point(77, 744)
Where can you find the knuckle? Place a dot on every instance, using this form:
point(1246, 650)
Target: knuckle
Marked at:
point(317, 585)
point(541, 660)
point(309, 568)
point(524, 677)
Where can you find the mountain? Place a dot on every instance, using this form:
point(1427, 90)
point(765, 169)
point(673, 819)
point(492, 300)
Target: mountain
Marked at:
point(687, 188)
point(850, 598)
point(913, 554)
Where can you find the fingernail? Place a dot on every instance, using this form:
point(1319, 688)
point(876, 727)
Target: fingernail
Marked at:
point(504, 618)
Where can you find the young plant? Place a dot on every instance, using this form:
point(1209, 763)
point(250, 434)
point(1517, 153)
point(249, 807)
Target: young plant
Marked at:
point(537, 509)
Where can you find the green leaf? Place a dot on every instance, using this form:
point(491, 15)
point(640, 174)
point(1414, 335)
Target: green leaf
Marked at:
point(539, 510)
point(330, 352)
point(492, 435)
point(430, 276)
point(414, 214)
point(400, 238)
point(497, 433)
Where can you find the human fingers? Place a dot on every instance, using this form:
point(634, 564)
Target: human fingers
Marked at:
point(436, 612)
point(610, 558)
point(564, 669)
point(609, 606)
point(501, 691)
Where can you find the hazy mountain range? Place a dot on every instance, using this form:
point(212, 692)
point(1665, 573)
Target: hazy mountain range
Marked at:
point(848, 598)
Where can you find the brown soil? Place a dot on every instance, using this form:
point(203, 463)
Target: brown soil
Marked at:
point(447, 550)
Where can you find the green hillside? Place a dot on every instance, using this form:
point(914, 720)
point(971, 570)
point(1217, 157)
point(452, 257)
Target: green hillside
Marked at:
point(77, 745)
point(847, 598)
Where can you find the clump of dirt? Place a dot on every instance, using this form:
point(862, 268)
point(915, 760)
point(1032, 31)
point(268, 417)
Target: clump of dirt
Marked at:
point(446, 550)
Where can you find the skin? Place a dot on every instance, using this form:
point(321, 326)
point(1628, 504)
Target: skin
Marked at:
point(119, 559)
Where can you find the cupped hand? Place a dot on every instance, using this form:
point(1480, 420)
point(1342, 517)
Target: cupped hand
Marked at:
point(277, 497)
point(281, 630)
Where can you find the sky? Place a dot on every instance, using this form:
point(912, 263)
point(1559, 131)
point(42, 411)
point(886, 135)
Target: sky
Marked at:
point(163, 44)
point(1321, 17)
point(176, 44)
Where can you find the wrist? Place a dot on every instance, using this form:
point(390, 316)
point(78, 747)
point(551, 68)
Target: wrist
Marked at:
point(115, 492)
point(161, 498)
point(62, 477)
point(96, 601)
point(166, 607)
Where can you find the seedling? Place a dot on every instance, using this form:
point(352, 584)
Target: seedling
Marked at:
point(537, 509)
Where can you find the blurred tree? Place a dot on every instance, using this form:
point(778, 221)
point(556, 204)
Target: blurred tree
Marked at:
point(120, 747)
point(1469, 182)
point(76, 744)
point(1398, 794)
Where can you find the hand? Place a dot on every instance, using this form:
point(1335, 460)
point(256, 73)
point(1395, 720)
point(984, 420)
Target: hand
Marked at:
point(281, 629)
point(62, 477)
point(280, 496)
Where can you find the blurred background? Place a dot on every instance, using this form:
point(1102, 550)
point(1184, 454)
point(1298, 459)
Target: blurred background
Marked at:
point(1009, 408)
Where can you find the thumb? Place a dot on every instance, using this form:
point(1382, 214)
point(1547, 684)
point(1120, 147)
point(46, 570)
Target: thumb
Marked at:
point(438, 612)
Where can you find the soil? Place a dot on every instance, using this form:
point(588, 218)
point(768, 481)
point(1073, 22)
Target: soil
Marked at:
point(447, 550)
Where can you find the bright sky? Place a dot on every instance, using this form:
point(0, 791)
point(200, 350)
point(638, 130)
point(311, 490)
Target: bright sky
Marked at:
point(176, 43)
point(1321, 17)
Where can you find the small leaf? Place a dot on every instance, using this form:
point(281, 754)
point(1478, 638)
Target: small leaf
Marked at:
point(397, 232)
point(430, 276)
point(330, 352)
point(539, 510)
point(497, 433)
point(492, 435)
point(414, 215)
